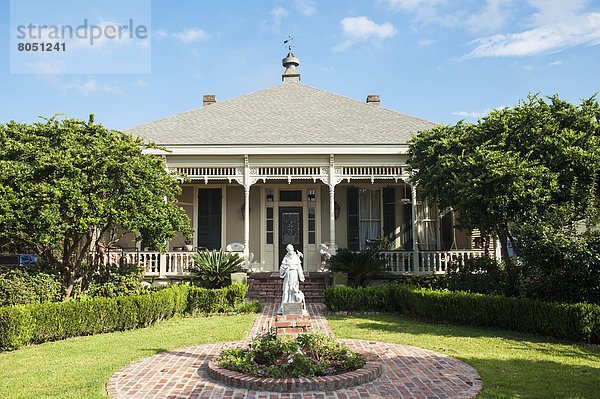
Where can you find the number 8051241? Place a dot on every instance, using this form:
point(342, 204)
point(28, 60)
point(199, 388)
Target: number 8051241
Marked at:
point(42, 46)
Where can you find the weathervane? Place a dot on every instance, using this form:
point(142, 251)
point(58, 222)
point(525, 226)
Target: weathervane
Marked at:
point(288, 42)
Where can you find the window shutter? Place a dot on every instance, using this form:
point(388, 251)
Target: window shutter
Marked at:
point(389, 211)
point(209, 218)
point(353, 230)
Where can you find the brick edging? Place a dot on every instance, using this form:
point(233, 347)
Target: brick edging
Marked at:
point(370, 372)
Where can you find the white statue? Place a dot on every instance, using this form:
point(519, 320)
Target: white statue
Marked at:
point(291, 273)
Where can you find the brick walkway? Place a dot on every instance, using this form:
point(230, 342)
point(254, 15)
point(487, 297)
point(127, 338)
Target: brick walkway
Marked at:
point(409, 372)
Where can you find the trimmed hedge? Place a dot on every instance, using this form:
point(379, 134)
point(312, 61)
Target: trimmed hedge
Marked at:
point(50, 321)
point(575, 322)
point(24, 287)
point(206, 300)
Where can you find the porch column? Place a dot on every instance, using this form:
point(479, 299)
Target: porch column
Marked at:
point(332, 217)
point(247, 223)
point(413, 190)
point(332, 183)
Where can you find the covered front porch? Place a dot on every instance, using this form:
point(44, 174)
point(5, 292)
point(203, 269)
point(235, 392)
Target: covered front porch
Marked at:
point(330, 202)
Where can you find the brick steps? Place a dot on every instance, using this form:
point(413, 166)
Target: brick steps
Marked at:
point(268, 287)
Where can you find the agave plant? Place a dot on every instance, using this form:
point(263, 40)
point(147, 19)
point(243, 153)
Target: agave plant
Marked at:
point(360, 266)
point(214, 268)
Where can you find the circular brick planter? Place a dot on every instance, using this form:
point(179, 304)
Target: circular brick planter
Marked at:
point(406, 372)
point(368, 373)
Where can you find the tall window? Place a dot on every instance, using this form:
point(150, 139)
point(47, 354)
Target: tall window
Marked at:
point(270, 225)
point(369, 204)
point(312, 225)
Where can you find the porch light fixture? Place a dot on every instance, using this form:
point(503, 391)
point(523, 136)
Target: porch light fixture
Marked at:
point(336, 209)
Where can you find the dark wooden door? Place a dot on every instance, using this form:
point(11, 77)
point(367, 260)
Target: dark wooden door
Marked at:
point(290, 229)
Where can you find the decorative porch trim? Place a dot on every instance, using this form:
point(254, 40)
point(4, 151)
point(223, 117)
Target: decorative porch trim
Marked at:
point(289, 173)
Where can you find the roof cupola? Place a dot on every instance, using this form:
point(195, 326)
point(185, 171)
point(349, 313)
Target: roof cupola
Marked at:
point(290, 63)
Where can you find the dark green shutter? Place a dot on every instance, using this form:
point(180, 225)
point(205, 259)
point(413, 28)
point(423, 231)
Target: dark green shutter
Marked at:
point(353, 229)
point(389, 211)
point(209, 218)
point(408, 238)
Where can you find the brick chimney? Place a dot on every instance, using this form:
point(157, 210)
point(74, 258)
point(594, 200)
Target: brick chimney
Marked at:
point(373, 99)
point(209, 99)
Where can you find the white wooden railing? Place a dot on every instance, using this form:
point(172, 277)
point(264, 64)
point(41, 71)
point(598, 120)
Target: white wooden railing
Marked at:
point(438, 261)
point(397, 262)
point(154, 263)
point(402, 262)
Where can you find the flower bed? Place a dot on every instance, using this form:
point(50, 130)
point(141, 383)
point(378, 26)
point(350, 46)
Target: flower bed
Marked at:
point(307, 355)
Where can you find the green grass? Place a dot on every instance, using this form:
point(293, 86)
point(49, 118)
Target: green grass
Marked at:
point(80, 367)
point(511, 365)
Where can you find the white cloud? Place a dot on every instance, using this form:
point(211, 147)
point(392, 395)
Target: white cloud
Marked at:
point(557, 25)
point(492, 16)
point(140, 83)
point(88, 87)
point(412, 4)
point(466, 114)
point(306, 7)
point(476, 114)
point(554, 63)
point(50, 73)
point(187, 35)
point(278, 13)
point(360, 29)
point(427, 11)
point(425, 42)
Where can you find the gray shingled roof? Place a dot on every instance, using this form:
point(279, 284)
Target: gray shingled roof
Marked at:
point(289, 113)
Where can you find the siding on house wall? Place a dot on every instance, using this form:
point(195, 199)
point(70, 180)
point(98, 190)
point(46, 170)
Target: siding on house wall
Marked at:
point(234, 231)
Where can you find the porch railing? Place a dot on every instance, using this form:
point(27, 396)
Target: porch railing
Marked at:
point(397, 262)
point(154, 263)
point(430, 261)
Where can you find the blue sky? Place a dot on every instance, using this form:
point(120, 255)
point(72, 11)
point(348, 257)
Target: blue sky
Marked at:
point(440, 60)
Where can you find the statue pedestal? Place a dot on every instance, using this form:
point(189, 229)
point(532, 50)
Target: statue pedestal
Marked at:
point(292, 325)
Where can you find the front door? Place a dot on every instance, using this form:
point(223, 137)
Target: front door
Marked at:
point(290, 229)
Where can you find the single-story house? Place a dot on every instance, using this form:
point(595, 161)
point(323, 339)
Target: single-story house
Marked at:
point(294, 164)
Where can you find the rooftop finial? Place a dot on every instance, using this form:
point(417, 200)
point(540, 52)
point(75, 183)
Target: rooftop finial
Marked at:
point(290, 63)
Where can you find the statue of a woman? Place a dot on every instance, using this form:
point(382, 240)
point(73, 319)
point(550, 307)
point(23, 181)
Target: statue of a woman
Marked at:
point(291, 273)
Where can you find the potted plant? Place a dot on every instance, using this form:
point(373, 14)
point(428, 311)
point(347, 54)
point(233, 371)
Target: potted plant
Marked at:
point(188, 244)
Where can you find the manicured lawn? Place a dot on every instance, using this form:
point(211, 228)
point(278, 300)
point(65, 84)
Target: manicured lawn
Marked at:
point(79, 367)
point(511, 365)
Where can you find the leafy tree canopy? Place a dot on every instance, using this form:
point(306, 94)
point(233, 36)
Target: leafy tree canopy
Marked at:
point(69, 188)
point(514, 166)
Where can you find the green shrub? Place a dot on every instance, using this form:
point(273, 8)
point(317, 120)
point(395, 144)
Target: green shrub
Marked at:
point(117, 280)
point(204, 300)
point(15, 326)
point(307, 355)
point(213, 268)
point(360, 266)
point(560, 267)
point(482, 275)
point(49, 321)
point(22, 287)
point(433, 281)
point(248, 307)
point(576, 322)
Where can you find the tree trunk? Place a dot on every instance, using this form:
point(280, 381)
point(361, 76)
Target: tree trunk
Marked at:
point(502, 232)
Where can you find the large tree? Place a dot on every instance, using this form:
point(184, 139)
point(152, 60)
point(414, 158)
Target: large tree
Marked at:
point(513, 166)
point(68, 188)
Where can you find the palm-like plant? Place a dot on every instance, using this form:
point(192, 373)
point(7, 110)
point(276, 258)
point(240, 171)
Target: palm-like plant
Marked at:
point(214, 268)
point(360, 266)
